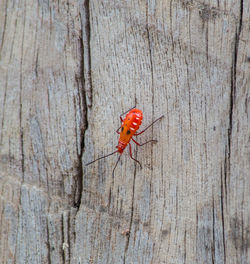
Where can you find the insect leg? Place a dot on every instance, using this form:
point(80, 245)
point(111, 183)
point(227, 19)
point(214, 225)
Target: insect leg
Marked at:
point(137, 134)
point(130, 152)
point(122, 119)
point(117, 131)
point(125, 113)
point(152, 140)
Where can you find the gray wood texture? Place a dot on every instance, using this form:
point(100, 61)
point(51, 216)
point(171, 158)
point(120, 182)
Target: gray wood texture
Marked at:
point(67, 71)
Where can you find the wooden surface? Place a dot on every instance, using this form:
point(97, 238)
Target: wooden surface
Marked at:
point(67, 71)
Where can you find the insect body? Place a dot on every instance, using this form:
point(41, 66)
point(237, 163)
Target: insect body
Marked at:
point(129, 126)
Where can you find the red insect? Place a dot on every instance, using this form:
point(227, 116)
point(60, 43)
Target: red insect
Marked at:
point(129, 126)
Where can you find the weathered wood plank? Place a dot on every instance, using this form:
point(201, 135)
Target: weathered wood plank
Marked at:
point(67, 70)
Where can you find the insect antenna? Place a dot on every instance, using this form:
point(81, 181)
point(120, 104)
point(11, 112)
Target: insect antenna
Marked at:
point(113, 173)
point(101, 158)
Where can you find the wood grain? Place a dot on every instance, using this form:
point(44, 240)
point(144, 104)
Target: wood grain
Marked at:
point(67, 71)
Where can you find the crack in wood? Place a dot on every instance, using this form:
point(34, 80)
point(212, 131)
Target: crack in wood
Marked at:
point(233, 84)
point(86, 53)
point(86, 90)
point(62, 232)
point(48, 242)
point(222, 213)
point(131, 218)
point(227, 159)
point(213, 234)
point(20, 101)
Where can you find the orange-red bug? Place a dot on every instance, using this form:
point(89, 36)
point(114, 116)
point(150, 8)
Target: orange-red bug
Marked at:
point(129, 126)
